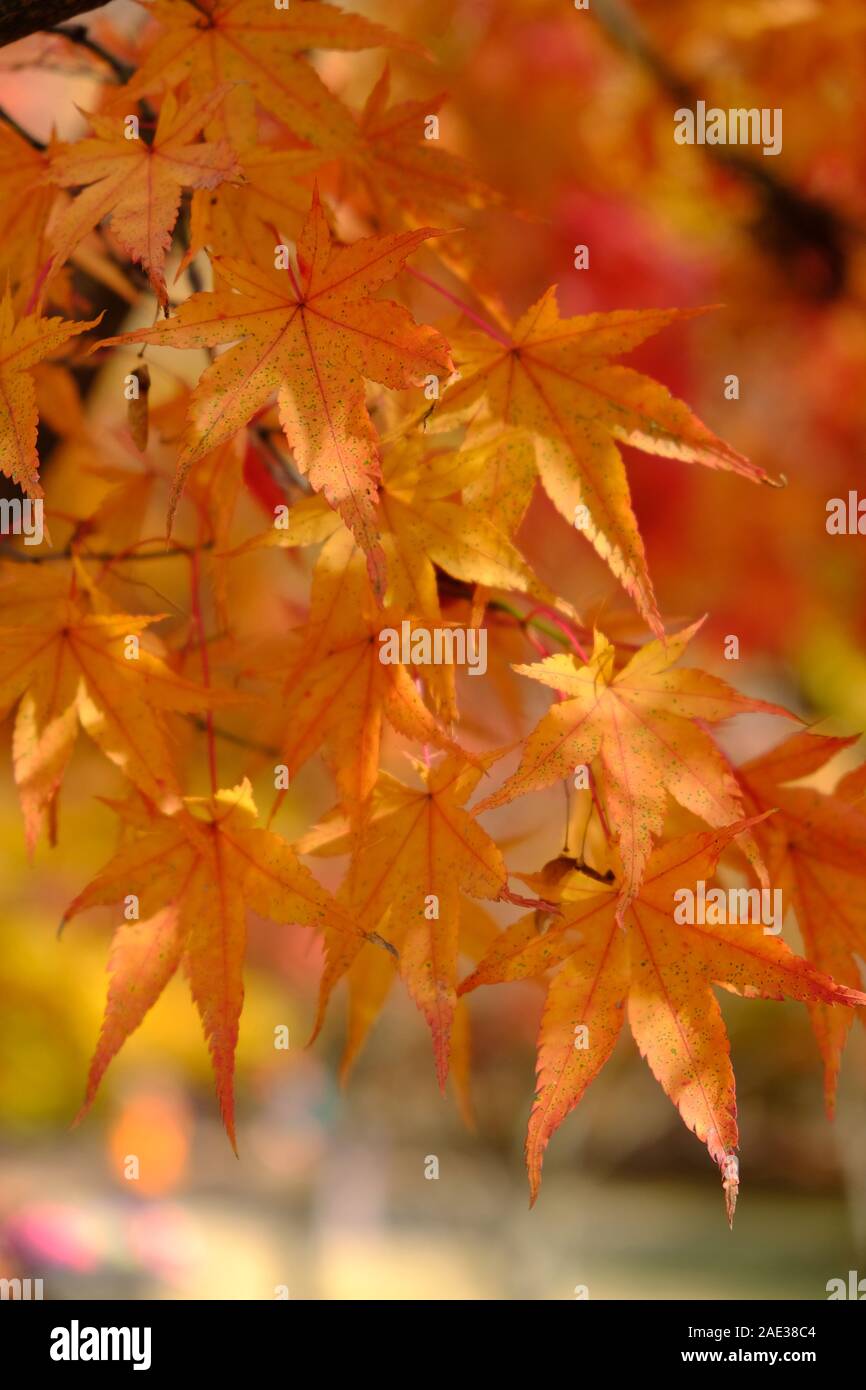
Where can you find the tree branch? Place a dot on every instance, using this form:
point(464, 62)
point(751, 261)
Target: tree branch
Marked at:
point(77, 34)
point(21, 557)
point(18, 18)
point(803, 232)
point(19, 130)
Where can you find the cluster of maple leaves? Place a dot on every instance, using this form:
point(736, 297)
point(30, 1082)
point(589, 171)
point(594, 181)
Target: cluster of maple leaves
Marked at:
point(409, 456)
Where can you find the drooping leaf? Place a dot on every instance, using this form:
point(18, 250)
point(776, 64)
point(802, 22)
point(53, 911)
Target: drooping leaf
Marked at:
point(658, 972)
point(643, 723)
point(335, 691)
point(416, 855)
point(193, 876)
point(814, 846)
point(554, 378)
point(69, 666)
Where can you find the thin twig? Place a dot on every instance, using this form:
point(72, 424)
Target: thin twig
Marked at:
point(79, 36)
point(237, 739)
point(20, 18)
point(20, 557)
point(19, 130)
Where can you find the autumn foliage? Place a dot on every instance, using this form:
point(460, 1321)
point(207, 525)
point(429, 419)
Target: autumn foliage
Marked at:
point(365, 410)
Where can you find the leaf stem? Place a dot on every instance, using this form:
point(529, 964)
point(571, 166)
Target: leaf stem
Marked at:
point(528, 620)
point(198, 621)
point(482, 323)
point(563, 627)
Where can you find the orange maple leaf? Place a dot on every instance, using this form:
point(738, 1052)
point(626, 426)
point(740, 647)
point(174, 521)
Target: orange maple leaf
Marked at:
point(66, 666)
point(422, 526)
point(138, 184)
point(23, 345)
point(814, 846)
point(194, 876)
point(272, 202)
point(658, 972)
point(334, 688)
point(641, 724)
point(553, 378)
point(416, 855)
point(400, 169)
point(25, 204)
point(311, 336)
point(246, 41)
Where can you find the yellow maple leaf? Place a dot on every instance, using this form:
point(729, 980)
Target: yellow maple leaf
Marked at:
point(554, 379)
point(247, 41)
point(64, 666)
point(193, 877)
point(139, 184)
point(414, 858)
point(658, 972)
point(642, 724)
point(23, 345)
point(311, 335)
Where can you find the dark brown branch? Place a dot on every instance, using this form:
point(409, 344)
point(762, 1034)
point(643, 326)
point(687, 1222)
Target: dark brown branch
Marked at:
point(18, 18)
point(77, 34)
point(19, 130)
point(805, 234)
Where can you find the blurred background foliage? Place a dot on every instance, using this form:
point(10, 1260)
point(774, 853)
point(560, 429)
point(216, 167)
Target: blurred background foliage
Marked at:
point(569, 115)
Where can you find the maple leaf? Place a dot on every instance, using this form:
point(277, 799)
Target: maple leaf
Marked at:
point(415, 856)
point(422, 510)
point(312, 338)
point(269, 205)
point(195, 875)
point(424, 523)
point(335, 690)
point(814, 846)
point(25, 205)
point(67, 667)
point(138, 184)
point(400, 168)
point(271, 199)
point(425, 527)
point(251, 42)
point(553, 378)
point(659, 973)
point(24, 343)
point(641, 724)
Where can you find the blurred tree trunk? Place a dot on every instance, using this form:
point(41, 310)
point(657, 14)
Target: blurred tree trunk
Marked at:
point(18, 18)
